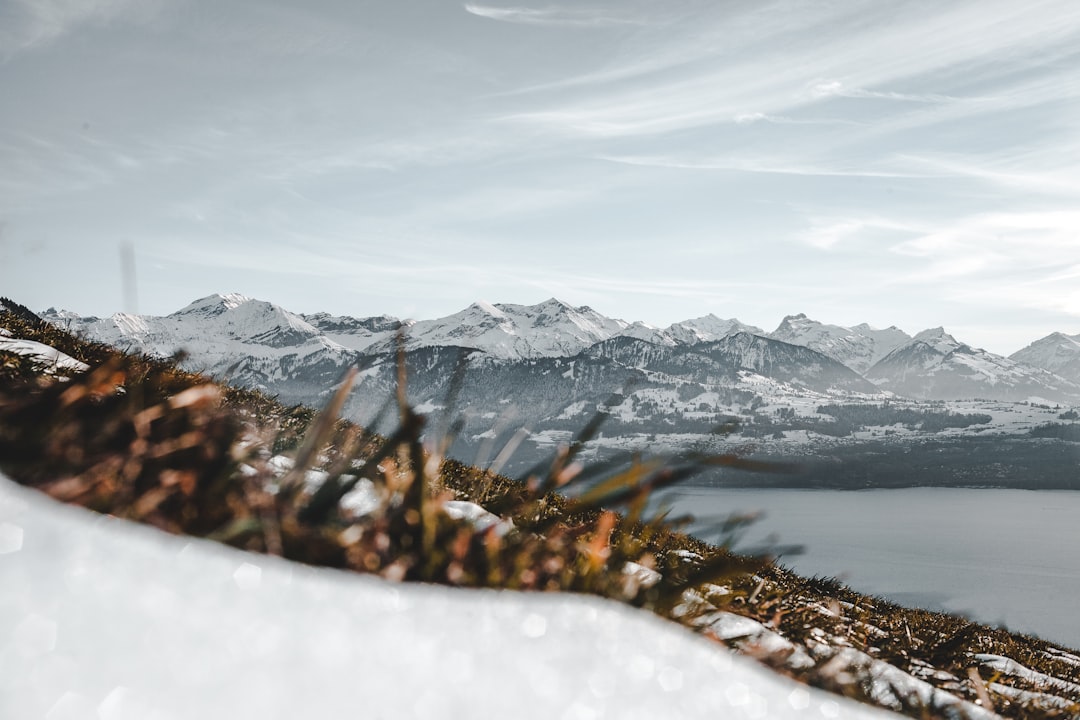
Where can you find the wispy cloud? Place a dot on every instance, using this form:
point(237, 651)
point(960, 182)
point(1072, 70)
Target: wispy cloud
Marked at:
point(25, 24)
point(766, 165)
point(828, 233)
point(751, 118)
point(990, 246)
point(835, 88)
point(1050, 171)
point(559, 16)
point(775, 79)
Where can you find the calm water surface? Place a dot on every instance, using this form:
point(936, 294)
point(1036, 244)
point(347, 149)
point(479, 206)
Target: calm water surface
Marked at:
point(1004, 557)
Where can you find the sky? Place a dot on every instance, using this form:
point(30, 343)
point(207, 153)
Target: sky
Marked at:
point(909, 163)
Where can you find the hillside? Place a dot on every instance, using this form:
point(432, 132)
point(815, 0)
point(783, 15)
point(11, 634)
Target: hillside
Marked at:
point(141, 440)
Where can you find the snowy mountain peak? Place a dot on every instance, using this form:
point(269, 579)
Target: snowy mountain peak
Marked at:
point(934, 365)
point(794, 323)
point(708, 328)
point(797, 327)
point(939, 340)
point(1057, 352)
point(213, 304)
point(867, 329)
point(846, 345)
point(554, 303)
point(934, 334)
point(483, 306)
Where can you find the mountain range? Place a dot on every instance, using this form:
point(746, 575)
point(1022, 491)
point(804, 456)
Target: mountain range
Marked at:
point(218, 331)
point(550, 366)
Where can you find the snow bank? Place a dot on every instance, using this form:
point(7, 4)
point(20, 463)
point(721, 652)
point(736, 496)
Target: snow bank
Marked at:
point(104, 619)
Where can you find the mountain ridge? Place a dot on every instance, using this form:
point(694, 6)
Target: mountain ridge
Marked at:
point(278, 346)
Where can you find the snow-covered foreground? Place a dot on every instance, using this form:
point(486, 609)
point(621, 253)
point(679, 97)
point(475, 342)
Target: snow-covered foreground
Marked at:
point(100, 618)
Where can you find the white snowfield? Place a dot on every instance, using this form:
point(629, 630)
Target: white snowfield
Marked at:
point(108, 620)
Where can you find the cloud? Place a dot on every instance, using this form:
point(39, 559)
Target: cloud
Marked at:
point(835, 88)
point(1045, 171)
point(764, 165)
point(25, 24)
point(757, 117)
point(827, 234)
point(790, 59)
point(565, 17)
point(991, 249)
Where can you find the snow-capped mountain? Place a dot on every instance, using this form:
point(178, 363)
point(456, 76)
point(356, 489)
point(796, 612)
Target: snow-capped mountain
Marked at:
point(708, 328)
point(548, 367)
point(519, 331)
point(549, 329)
point(356, 333)
point(790, 363)
point(1059, 353)
point(548, 357)
point(857, 347)
point(252, 341)
point(935, 366)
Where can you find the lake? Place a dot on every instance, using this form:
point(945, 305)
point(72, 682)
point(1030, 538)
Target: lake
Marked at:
point(1002, 557)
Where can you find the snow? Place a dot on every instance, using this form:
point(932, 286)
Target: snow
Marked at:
point(889, 685)
point(1008, 666)
point(729, 626)
point(104, 619)
point(46, 356)
point(476, 516)
point(1055, 654)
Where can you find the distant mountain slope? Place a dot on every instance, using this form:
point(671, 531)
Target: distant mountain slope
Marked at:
point(1059, 353)
point(858, 347)
point(935, 366)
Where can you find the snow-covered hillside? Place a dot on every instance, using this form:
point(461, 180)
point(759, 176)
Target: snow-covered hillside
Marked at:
point(105, 619)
